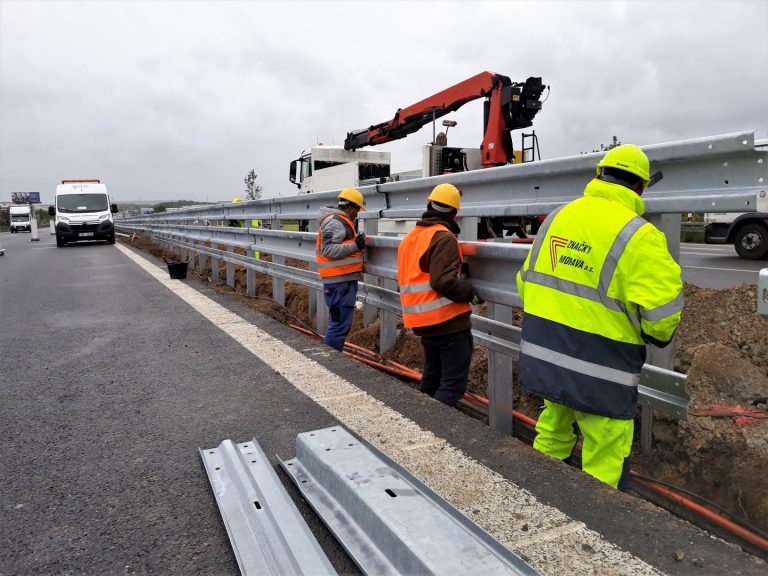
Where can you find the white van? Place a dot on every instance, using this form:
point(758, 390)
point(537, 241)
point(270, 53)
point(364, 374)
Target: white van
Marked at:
point(83, 212)
point(20, 218)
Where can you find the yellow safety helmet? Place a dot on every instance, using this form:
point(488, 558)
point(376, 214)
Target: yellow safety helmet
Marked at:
point(446, 194)
point(236, 199)
point(629, 158)
point(354, 196)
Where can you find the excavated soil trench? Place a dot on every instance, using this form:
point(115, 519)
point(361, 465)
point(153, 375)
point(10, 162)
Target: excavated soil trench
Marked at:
point(722, 344)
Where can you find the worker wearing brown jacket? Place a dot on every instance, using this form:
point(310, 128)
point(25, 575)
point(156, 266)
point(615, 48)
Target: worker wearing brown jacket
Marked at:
point(435, 299)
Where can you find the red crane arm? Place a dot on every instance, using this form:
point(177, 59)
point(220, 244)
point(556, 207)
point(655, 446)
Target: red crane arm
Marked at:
point(510, 106)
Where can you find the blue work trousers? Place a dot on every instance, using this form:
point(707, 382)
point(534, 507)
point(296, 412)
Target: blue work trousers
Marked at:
point(340, 299)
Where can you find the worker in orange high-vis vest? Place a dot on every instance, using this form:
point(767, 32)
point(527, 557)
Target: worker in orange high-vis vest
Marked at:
point(339, 256)
point(435, 299)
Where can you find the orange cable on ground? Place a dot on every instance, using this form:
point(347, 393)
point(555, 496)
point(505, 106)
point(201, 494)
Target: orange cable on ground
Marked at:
point(708, 514)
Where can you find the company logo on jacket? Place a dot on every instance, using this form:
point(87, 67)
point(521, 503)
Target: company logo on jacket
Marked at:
point(557, 243)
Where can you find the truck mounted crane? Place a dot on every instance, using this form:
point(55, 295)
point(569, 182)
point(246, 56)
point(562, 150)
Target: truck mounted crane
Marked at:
point(508, 106)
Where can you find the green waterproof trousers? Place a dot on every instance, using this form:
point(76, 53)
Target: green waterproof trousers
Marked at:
point(607, 441)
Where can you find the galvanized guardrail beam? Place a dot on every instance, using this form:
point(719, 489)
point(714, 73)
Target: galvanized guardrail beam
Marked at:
point(388, 521)
point(266, 530)
point(724, 173)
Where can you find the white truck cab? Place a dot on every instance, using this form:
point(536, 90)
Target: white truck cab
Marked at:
point(83, 212)
point(21, 219)
point(322, 168)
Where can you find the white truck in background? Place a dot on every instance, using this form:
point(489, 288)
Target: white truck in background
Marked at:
point(21, 219)
point(321, 168)
point(82, 212)
point(747, 231)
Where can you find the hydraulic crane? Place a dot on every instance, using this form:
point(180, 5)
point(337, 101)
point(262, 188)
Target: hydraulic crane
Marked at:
point(508, 106)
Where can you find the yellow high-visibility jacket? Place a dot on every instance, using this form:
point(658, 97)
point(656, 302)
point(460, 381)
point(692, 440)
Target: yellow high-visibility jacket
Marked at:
point(598, 283)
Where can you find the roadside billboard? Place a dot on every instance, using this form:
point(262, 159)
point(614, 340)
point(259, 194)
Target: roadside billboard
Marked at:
point(25, 197)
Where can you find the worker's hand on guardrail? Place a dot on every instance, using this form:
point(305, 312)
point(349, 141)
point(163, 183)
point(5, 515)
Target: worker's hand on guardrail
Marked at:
point(360, 241)
point(476, 300)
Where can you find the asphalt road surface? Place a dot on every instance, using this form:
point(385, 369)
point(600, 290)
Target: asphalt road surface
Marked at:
point(112, 377)
point(717, 266)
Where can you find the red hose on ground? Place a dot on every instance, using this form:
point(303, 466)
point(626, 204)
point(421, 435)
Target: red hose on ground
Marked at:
point(707, 514)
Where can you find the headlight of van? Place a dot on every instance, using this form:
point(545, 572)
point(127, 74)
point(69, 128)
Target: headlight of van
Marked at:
point(103, 217)
point(64, 219)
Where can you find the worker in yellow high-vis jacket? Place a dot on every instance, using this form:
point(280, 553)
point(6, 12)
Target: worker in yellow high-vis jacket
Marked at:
point(598, 284)
point(242, 224)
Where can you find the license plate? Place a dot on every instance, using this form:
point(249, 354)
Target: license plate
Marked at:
point(85, 234)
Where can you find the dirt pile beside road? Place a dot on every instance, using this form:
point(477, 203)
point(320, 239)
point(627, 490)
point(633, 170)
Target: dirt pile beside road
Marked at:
point(722, 344)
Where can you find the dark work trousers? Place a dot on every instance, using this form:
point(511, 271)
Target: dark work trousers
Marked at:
point(340, 299)
point(446, 365)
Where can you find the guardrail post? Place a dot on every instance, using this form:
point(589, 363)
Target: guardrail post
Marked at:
point(215, 266)
point(500, 370)
point(230, 269)
point(317, 307)
point(312, 299)
point(388, 324)
point(202, 259)
point(468, 227)
point(370, 312)
point(278, 284)
point(250, 276)
point(670, 225)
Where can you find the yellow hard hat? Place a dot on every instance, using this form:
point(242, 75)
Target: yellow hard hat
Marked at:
point(446, 194)
point(354, 196)
point(236, 199)
point(629, 158)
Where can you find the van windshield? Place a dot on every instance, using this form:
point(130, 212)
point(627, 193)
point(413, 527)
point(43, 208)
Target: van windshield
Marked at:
point(82, 203)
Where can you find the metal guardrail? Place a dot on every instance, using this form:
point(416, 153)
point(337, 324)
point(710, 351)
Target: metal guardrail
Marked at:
point(267, 532)
point(724, 173)
point(719, 173)
point(387, 519)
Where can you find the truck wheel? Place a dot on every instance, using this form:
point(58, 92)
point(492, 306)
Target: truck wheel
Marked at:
point(60, 242)
point(111, 239)
point(752, 241)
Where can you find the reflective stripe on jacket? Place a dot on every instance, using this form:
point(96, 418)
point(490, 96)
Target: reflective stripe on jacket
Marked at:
point(422, 306)
point(597, 283)
point(334, 270)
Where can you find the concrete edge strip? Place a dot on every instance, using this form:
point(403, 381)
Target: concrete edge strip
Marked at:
point(384, 517)
point(266, 530)
point(510, 507)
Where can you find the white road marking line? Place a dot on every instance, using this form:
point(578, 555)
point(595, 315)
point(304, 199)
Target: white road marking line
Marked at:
point(723, 269)
point(499, 506)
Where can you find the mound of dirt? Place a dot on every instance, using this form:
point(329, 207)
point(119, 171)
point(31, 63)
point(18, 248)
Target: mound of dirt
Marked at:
point(722, 344)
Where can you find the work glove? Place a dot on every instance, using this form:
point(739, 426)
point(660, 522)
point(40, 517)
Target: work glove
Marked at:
point(476, 300)
point(360, 241)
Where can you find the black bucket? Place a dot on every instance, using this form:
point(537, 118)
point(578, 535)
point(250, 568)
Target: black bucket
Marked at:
point(177, 270)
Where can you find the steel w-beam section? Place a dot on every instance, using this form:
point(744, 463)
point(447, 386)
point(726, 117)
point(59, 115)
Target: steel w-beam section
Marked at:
point(388, 521)
point(266, 530)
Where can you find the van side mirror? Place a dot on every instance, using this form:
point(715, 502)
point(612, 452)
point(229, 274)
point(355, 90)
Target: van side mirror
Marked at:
point(292, 175)
point(113, 208)
point(51, 210)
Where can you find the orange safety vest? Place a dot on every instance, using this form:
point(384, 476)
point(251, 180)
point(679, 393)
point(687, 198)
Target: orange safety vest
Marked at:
point(331, 268)
point(423, 306)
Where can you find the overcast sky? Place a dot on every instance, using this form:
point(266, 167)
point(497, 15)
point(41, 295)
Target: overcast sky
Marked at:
point(179, 100)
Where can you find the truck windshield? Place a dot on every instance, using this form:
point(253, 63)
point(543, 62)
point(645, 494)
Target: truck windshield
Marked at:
point(82, 203)
point(19, 217)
